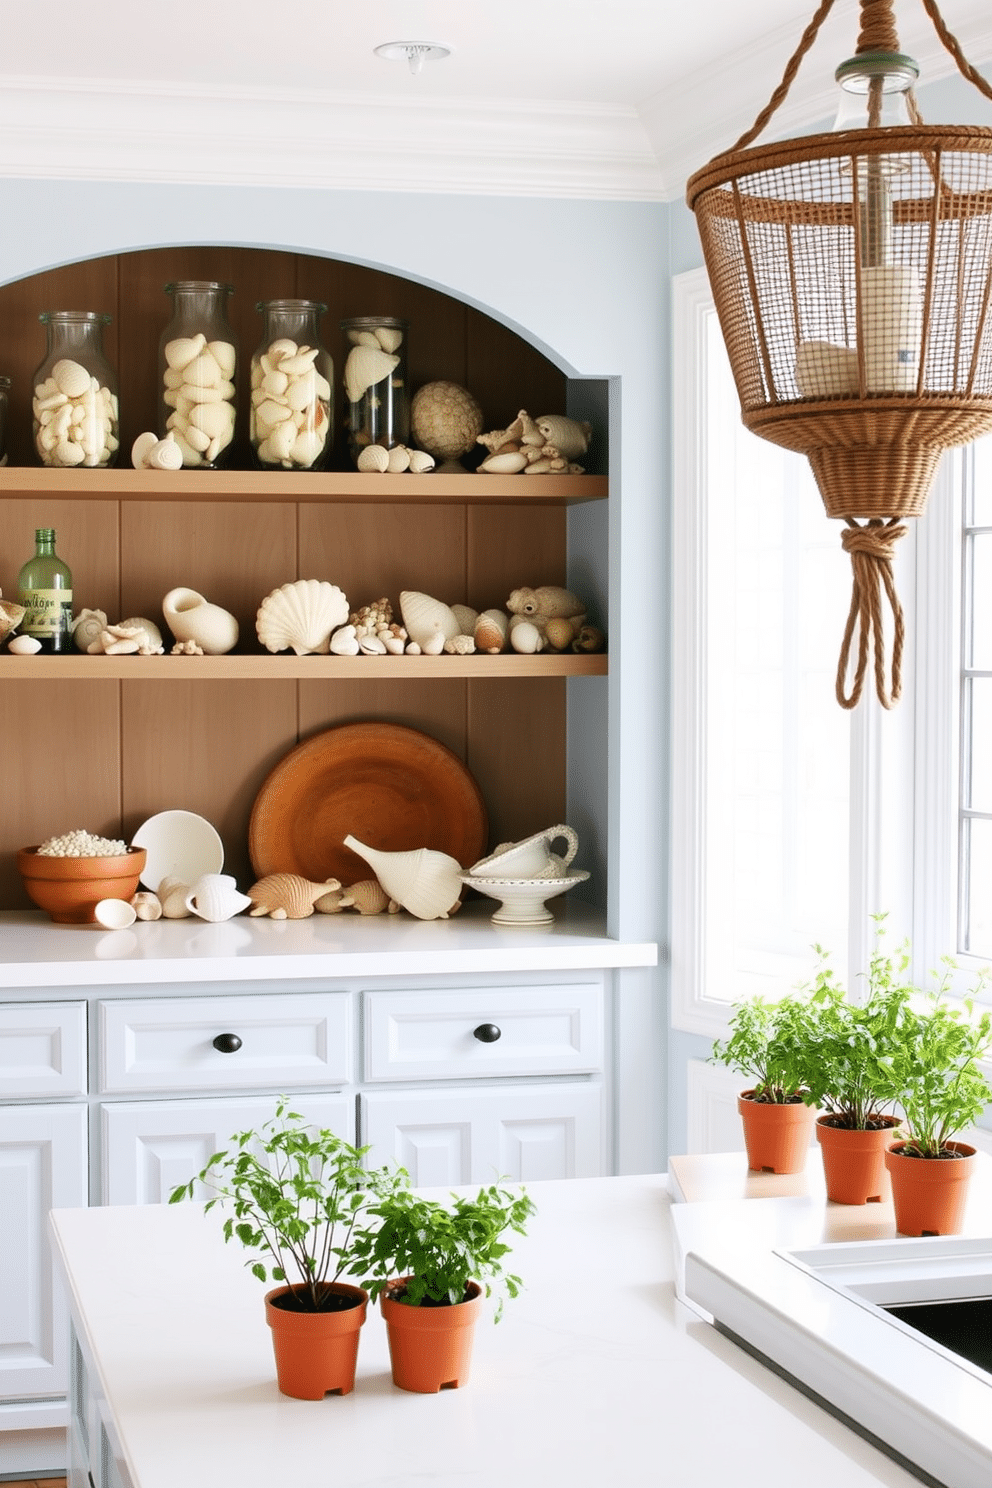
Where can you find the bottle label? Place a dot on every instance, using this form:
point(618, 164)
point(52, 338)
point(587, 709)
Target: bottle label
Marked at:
point(48, 612)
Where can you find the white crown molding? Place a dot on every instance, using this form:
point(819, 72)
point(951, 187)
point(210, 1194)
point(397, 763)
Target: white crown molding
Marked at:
point(712, 107)
point(341, 142)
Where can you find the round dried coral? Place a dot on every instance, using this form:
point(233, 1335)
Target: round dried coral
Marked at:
point(446, 419)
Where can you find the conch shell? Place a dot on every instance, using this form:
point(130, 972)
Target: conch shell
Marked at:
point(288, 896)
point(491, 632)
point(423, 881)
point(426, 620)
point(301, 617)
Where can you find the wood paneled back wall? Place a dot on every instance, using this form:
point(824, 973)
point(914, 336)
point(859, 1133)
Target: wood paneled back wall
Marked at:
point(105, 755)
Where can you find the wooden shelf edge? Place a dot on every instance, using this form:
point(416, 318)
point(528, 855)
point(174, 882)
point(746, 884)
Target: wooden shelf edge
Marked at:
point(300, 486)
point(295, 668)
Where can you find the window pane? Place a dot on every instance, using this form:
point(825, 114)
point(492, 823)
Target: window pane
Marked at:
point(981, 602)
point(978, 863)
point(982, 504)
point(980, 747)
point(778, 588)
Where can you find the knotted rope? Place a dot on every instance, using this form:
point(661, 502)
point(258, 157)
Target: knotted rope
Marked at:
point(871, 549)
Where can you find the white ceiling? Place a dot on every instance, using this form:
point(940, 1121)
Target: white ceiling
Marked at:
point(614, 98)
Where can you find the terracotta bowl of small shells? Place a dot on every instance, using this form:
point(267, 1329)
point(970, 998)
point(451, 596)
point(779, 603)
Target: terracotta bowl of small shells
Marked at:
point(71, 888)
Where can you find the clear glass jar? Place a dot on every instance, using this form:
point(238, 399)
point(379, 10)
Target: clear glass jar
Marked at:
point(375, 382)
point(75, 411)
point(291, 420)
point(4, 413)
point(198, 359)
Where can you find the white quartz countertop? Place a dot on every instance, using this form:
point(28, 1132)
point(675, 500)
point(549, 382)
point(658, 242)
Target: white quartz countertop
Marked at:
point(35, 952)
point(597, 1376)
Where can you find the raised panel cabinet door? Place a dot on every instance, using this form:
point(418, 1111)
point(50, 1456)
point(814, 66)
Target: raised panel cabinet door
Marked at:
point(43, 1166)
point(484, 1031)
point(42, 1050)
point(150, 1147)
point(216, 1043)
point(521, 1132)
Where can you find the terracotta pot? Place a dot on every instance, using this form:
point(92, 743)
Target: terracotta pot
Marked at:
point(316, 1352)
point(929, 1193)
point(430, 1347)
point(854, 1161)
point(776, 1137)
point(71, 888)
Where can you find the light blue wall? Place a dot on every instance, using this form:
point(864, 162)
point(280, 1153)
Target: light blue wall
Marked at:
point(588, 283)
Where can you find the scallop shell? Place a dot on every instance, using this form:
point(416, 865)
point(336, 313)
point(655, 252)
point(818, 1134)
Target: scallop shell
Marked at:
point(365, 366)
point(425, 619)
point(301, 616)
point(288, 896)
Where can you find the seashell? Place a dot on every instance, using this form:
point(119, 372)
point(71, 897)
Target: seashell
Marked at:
point(71, 378)
point(529, 431)
point(364, 338)
point(146, 905)
point(445, 419)
point(11, 615)
point(226, 357)
point(344, 641)
point(420, 462)
point(569, 437)
point(589, 638)
point(399, 458)
point(560, 633)
point(364, 367)
point(114, 914)
point(165, 454)
point(390, 338)
point(373, 457)
point(23, 645)
point(371, 645)
point(138, 622)
point(182, 350)
point(141, 447)
point(548, 601)
point(216, 897)
point(172, 897)
point(461, 645)
point(330, 903)
point(301, 617)
point(503, 464)
point(426, 618)
point(368, 897)
point(434, 644)
point(466, 618)
point(548, 465)
point(425, 882)
point(526, 638)
point(491, 631)
point(288, 896)
point(191, 618)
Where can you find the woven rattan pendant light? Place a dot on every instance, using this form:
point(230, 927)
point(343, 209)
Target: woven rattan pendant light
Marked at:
point(852, 274)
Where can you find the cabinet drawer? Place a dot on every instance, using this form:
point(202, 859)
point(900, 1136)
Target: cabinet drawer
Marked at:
point(482, 1031)
point(42, 1049)
point(218, 1043)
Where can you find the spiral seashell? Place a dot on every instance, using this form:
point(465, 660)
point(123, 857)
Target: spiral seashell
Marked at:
point(88, 627)
point(426, 619)
point(373, 457)
point(365, 366)
point(491, 631)
point(569, 437)
point(301, 617)
point(288, 896)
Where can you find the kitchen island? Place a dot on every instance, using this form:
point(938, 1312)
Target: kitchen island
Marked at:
point(598, 1375)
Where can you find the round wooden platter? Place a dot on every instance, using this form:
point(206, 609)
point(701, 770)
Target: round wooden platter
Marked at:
point(392, 787)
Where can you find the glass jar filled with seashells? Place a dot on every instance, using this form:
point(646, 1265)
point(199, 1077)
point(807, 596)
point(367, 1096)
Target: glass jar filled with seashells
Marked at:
point(376, 388)
point(75, 411)
point(291, 421)
point(198, 357)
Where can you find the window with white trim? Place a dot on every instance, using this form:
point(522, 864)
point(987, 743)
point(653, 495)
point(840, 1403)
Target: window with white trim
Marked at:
point(794, 820)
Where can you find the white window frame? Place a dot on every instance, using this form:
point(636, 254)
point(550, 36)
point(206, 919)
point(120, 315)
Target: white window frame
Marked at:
point(904, 762)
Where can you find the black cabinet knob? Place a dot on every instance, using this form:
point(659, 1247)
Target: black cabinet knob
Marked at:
point(487, 1033)
point(227, 1043)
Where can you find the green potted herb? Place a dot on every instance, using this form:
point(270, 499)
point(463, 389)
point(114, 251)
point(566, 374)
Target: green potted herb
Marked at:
point(298, 1198)
point(430, 1264)
point(769, 1044)
point(942, 1091)
point(852, 1075)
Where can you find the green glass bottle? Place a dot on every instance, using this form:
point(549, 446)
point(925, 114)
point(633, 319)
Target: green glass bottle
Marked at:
point(44, 588)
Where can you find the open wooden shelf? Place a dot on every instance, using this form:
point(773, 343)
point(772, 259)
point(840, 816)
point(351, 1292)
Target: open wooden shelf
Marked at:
point(357, 487)
point(264, 668)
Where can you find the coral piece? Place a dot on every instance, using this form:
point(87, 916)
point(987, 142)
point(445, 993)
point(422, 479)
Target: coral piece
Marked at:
point(186, 648)
point(301, 617)
point(445, 419)
point(460, 645)
point(288, 896)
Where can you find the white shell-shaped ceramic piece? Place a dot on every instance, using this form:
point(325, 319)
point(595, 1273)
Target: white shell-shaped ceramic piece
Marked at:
point(399, 458)
point(164, 454)
point(420, 462)
point(425, 882)
point(138, 622)
point(504, 464)
point(569, 437)
point(531, 857)
point(191, 618)
point(23, 645)
point(301, 617)
point(426, 618)
point(373, 457)
point(288, 896)
point(526, 638)
point(146, 905)
point(114, 914)
point(141, 447)
point(172, 894)
point(344, 641)
point(88, 627)
point(216, 897)
point(365, 366)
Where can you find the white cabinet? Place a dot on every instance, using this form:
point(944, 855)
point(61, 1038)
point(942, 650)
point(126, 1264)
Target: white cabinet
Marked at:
point(42, 1166)
point(150, 1147)
point(523, 1132)
point(42, 1050)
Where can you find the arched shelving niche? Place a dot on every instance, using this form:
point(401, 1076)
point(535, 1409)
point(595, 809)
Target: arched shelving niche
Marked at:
point(135, 736)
